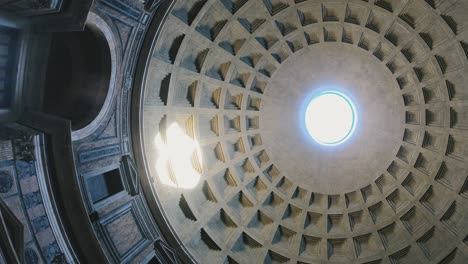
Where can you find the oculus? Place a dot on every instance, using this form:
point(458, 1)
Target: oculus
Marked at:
point(331, 118)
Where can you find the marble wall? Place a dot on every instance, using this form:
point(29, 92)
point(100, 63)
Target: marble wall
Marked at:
point(45, 165)
point(20, 190)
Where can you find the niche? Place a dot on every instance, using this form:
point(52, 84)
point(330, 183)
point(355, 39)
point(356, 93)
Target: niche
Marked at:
point(102, 186)
point(77, 76)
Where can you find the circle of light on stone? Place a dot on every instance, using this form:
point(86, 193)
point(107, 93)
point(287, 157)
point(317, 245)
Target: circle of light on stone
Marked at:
point(330, 118)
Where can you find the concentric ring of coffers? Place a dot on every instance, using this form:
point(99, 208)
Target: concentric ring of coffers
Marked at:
point(211, 69)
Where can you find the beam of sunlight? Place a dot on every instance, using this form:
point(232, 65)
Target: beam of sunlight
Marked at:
point(179, 158)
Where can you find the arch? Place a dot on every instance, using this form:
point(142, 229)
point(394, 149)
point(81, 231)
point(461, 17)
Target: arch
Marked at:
point(81, 76)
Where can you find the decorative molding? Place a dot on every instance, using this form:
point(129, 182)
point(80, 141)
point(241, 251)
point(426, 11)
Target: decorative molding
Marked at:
point(130, 175)
point(99, 153)
point(98, 23)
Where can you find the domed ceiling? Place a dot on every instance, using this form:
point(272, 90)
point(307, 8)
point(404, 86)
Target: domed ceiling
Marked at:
point(238, 177)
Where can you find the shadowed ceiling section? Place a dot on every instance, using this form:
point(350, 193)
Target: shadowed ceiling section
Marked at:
point(78, 76)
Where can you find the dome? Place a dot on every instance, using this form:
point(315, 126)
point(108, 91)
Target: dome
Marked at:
point(237, 78)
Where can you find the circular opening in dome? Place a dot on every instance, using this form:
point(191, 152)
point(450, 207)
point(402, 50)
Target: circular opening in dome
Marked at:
point(330, 118)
